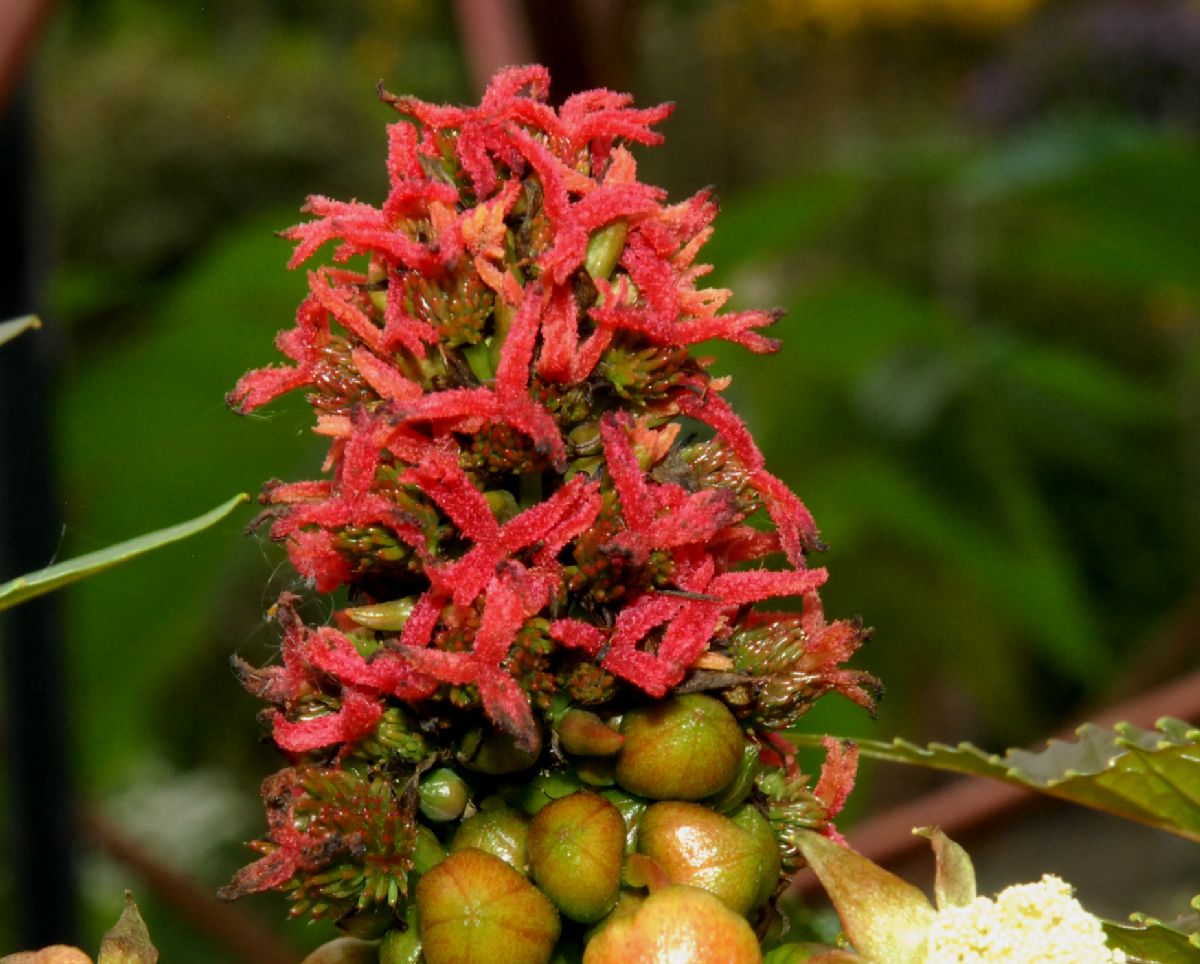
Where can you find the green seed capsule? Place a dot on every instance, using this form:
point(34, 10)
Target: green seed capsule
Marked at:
point(575, 850)
point(682, 748)
point(402, 946)
point(499, 831)
point(428, 851)
point(738, 789)
point(677, 923)
point(698, 846)
point(469, 906)
point(751, 819)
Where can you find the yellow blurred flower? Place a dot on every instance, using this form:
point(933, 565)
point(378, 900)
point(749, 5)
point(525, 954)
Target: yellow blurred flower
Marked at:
point(849, 14)
point(1033, 923)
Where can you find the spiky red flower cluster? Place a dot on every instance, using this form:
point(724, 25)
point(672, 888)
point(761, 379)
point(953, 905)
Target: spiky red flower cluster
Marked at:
point(503, 379)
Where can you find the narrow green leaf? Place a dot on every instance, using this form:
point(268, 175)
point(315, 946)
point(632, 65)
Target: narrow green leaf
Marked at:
point(61, 574)
point(10, 329)
point(1147, 939)
point(1150, 776)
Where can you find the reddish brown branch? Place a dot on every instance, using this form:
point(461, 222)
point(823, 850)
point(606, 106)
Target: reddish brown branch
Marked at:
point(20, 23)
point(968, 804)
point(494, 35)
point(233, 929)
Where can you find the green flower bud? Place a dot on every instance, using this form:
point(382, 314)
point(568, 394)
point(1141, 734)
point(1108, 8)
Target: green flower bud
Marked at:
point(681, 748)
point(443, 795)
point(499, 831)
point(575, 849)
point(468, 907)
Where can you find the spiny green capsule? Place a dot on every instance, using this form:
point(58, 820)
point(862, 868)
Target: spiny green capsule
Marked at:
point(443, 795)
point(469, 906)
point(575, 848)
point(500, 831)
point(682, 748)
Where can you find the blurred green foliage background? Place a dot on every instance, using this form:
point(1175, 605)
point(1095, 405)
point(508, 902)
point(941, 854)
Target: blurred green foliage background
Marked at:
point(982, 218)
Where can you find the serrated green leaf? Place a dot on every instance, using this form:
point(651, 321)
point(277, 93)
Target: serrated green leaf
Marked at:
point(1150, 776)
point(26, 587)
point(1147, 939)
point(10, 329)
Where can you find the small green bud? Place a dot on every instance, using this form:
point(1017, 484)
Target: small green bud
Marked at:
point(428, 851)
point(402, 945)
point(496, 752)
point(385, 616)
point(604, 248)
point(583, 733)
point(500, 831)
point(443, 795)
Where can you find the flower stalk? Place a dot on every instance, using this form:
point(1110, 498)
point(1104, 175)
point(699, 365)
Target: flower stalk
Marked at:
point(551, 659)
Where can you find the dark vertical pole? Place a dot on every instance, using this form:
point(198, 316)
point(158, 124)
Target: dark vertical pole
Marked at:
point(41, 822)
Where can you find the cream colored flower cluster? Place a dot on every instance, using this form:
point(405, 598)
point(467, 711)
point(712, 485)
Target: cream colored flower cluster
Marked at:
point(1028, 923)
